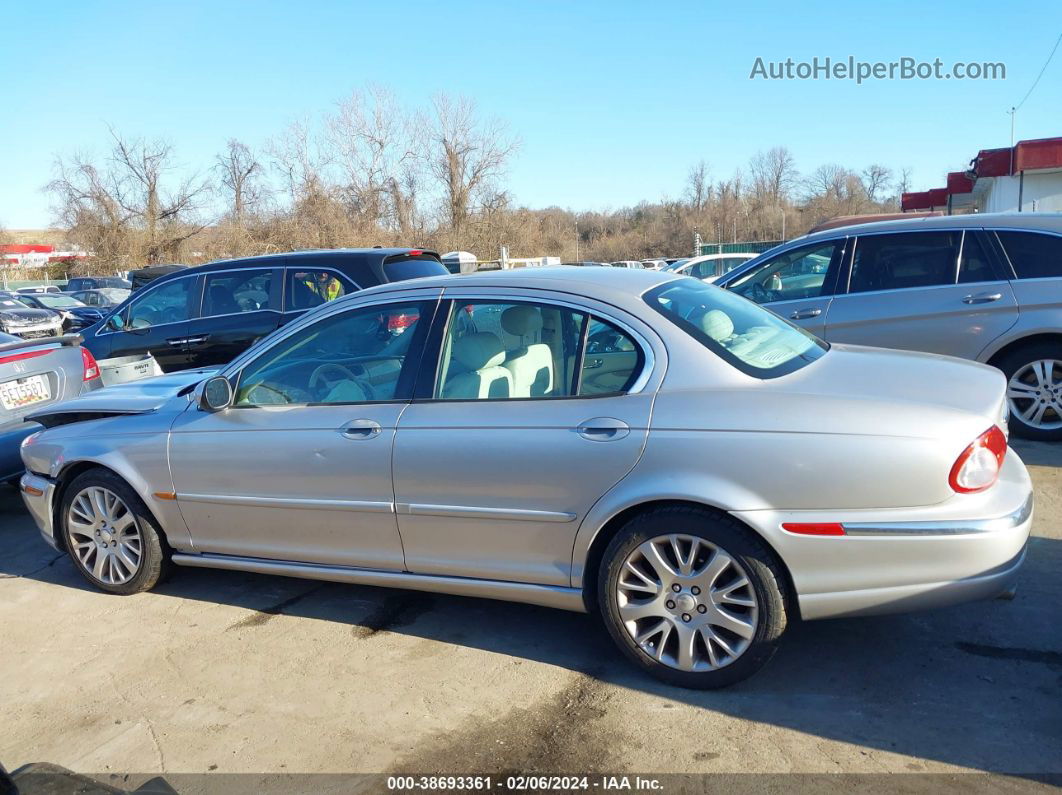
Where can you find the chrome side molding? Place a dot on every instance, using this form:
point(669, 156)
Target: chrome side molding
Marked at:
point(544, 595)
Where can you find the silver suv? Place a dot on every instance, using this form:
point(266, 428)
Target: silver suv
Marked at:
point(983, 287)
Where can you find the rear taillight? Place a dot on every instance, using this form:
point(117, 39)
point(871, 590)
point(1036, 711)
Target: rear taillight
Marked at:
point(978, 466)
point(91, 370)
point(401, 322)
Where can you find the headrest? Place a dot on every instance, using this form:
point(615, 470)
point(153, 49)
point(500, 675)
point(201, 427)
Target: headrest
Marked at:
point(717, 325)
point(521, 320)
point(480, 350)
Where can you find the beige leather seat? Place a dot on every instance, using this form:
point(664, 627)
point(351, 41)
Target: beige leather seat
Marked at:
point(531, 365)
point(481, 355)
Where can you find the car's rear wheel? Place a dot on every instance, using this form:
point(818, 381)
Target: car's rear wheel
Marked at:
point(693, 598)
point(1034, 390)
point(110, 534)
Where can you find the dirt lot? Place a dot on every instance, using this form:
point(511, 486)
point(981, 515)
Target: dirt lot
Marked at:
point(230, 672)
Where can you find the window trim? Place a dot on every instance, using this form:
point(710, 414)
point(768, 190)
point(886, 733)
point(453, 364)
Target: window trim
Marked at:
point(431, 363)
point(407, 376)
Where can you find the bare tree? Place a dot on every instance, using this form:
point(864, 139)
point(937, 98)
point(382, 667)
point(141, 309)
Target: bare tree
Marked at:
point(774, 175)
point(876, 179)
point(903, 184)
point(466, 156)
point(239, 174)
point(698, 186)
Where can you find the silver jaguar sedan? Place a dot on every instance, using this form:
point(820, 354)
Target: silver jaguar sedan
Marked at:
point(668, 455)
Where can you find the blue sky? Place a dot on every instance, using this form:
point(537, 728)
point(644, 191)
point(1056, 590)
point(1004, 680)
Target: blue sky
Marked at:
point(613, 100)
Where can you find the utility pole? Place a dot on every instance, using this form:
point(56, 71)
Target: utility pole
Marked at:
point(577, 240)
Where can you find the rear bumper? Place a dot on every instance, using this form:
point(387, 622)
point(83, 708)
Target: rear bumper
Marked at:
point(968, 548)
point(37, 493)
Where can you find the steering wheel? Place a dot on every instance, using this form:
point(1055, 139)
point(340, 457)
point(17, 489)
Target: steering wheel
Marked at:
point(322, 372)
point(260, 393)
point(172, 315)
point(760, 294)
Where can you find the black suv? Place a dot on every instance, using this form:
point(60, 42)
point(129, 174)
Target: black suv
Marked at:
point(208, 315)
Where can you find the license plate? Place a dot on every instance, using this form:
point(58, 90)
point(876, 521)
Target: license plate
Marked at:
point(24, 392)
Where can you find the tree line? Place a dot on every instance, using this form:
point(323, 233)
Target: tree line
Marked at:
point(374, 172)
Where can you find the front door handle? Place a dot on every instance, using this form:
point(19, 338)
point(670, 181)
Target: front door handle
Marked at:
point(804, 314)
point(982, 298)
point(360, 429)
point(177, 341)
point(196, 340)
point(603, 429)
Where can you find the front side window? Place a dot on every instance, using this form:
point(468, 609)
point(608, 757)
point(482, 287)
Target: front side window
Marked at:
point(1033, 255)
point(309, 288)
point(166, 303)
point(498, 350)
point(755, 341)
point(904, 260)
point(974, 265)
point(795, 274)
point(235, 292)
point(353, 357)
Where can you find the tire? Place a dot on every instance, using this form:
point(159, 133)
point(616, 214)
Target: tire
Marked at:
point(89, 537)
point(715, 603)
point(1018, 367)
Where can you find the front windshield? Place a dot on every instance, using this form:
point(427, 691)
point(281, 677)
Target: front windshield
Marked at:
point(12, 303)
point(58, 301)
point(752, 339)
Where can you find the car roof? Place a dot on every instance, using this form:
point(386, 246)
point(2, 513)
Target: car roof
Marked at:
point(620, 283)
point(1051, 222)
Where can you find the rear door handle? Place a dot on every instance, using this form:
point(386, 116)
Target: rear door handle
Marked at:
point(604, 429)
point(196, 340)
point(982, 298)
point(178, 341)
point(804, 314)
point(361, 429)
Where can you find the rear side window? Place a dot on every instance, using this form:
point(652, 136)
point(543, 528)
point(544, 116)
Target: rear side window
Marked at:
point(1034, 256)
point(903, 261)
point(310, 288)
point(401, 268)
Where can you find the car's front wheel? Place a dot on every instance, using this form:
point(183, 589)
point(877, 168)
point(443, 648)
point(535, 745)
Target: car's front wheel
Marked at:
point(1034, 390)
point(110, 534)
point(693, 598)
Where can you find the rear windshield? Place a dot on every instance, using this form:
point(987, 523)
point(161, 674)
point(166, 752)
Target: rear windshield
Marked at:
point(402, 269)
point(755, 341)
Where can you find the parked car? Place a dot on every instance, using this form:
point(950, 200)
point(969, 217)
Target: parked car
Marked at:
point(584, 264)
point(39, 288)
point(208, 315)
point(139, 279)
point(690, 466)
point(709, 267)
point(79, 283)
point(19, 319)
point(983, 287)
point(102, 297)
point(655, 264)
point(75, 314)
point(35, 374)
point(628, 263)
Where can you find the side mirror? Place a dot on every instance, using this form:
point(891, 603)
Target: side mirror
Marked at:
point(216, 395)
point(115, 322)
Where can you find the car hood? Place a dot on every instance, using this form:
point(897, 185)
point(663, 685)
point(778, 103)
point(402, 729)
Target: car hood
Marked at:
point(135, 397)
point(27, 315)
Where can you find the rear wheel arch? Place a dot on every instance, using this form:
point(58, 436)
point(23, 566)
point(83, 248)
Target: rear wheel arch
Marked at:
point(599, 543)
point(1007, 350)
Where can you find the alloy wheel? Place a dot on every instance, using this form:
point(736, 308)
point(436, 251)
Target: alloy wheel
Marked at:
point(1034, 393)
point(104, 535)
point(687, 603)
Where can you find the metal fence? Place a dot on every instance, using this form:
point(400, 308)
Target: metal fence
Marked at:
point(748, 247)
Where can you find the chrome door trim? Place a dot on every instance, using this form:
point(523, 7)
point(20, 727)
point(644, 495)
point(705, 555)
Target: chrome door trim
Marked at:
point(555, 596)
point(299, 503)
point(949, 527)
point(472, 512)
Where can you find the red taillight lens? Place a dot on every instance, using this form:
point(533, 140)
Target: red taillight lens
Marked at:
point(91, 369)
point(17, 357)
point(414, 252)
point(978, 466)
